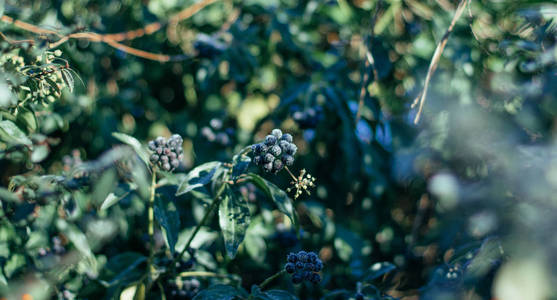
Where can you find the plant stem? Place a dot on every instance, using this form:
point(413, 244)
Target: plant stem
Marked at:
point(270, 279)
point(216, 202)
point(151, 219)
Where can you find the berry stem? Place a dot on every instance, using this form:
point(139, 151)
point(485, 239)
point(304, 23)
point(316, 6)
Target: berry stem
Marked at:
point(270, 279)
point(291, 175)
point(216, 202)
point(151, 219)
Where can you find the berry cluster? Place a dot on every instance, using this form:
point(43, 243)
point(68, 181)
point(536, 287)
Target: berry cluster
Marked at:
point(275, 152)
point(167, 153)
point(216, 133)
point(182, 289)
point(308, 117)
point(304, 266)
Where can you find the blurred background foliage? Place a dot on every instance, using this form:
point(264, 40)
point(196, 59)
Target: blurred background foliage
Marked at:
point(460, 205)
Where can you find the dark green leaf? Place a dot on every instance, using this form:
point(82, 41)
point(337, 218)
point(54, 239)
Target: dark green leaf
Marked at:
point(198, 177)
point(241, 164)
point(279, 197)
point(135, 144)
point(218, 292)
point(234, 218)
point(378, 269)
point(68, 79)
point(168, 217)
point(12, 135)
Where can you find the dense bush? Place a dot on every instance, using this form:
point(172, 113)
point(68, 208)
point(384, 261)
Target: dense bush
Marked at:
point(277, 149)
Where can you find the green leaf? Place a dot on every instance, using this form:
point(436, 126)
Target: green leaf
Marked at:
point(234, 218)
point(241, 164)
point(135, 144)
point(26, 118)
point(218, 292)
point(377, 270)
point(122, 268)
point(39, 153)
point(112, 199)
point(11, 134)
point(53, 85)
point(168, 217)
point(271, 295)
point(279, 197)
point(8, 196)
point(198, 177)
point(68, 79)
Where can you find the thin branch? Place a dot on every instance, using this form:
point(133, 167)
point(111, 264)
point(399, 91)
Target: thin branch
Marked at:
point(435, 60)
point(114, 38)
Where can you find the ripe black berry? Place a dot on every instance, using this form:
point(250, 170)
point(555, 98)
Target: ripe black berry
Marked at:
point(287, 137)
point(292, 257)
point(290, 268)
point(315, 278)
point(297, 278)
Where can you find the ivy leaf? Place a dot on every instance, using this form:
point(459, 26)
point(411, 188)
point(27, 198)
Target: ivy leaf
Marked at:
point(68, 79)
point(241, 164)
point(234, 218)
point(11, 134)
point(135, 144)
point(122, 268)
point(198, 177)
point(39, 153)
point(219, 291)
point(26, 118)
point(271, 295)
point(279, 197)
point(377, 270)
point(168, 217)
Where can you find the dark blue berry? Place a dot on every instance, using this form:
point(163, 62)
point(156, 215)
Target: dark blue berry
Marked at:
point(312, 257)
point(288, 159)
point(302, 256)
point(297, 278)
point(291, 150)
point(299, 265)
point(257, 160)
point(290, 268)
point(315, 278)
point(307, 275)
point(318, 266)
point(270, 140)
point(308, 266)
point(257, 148)
point(286, 137)
point(284, 145)
point(292, 257)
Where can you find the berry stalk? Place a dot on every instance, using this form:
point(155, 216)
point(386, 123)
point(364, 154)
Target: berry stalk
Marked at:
point(151, 219)
point(270, 279)
point(215, 204)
